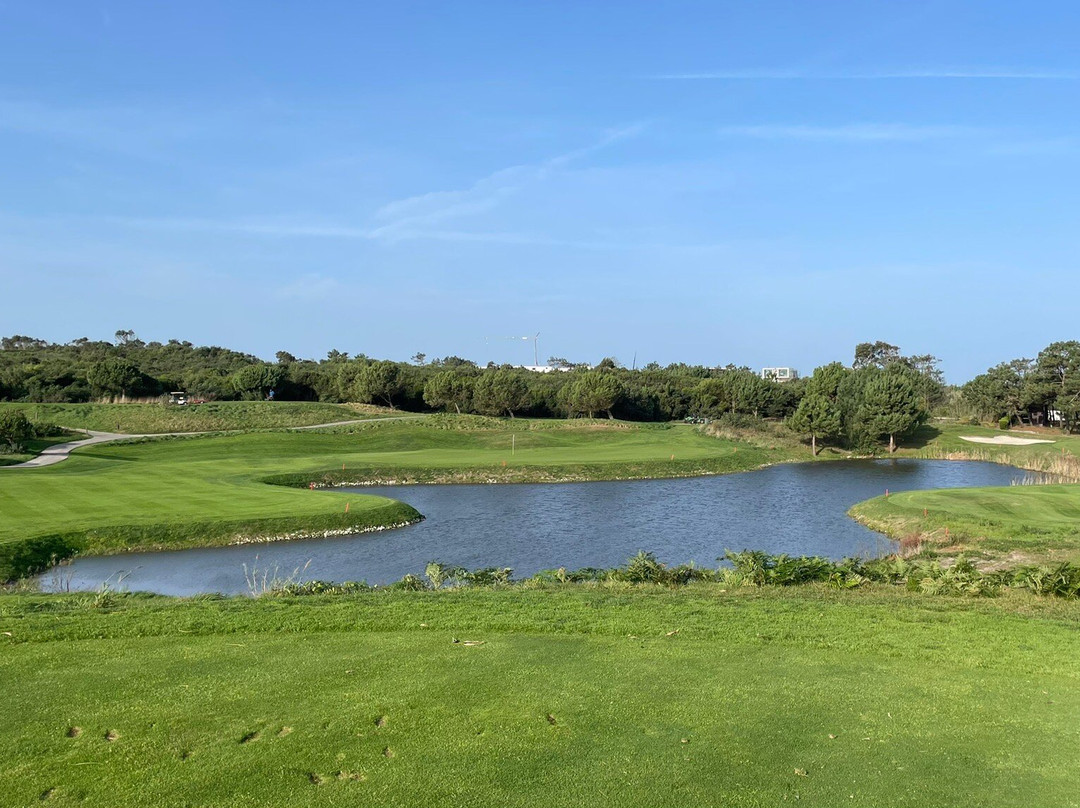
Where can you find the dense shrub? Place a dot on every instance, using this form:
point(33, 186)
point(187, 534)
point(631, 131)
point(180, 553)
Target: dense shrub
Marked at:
point(15, 430)
point(19, 559)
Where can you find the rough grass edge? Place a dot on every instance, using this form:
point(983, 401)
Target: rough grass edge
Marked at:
point(34, 554)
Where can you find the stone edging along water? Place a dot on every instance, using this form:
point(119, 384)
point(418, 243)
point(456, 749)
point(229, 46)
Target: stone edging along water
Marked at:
point(569, 473)
point(320, 534)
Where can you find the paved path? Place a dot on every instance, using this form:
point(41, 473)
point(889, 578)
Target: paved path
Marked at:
point(59, 452)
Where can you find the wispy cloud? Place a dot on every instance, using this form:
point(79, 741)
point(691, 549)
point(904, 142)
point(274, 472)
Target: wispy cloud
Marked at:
point(274, 227)
point(283, 228)
point(791, 74)
point(406, 218)
point(428, 216)
point(852, 133)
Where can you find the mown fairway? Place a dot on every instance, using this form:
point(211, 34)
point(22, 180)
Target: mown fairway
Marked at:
point(182, 492)
point(576, 696)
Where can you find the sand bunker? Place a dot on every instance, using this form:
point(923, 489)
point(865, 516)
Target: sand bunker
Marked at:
point(1004, 440)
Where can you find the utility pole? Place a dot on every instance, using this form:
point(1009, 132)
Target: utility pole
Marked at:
point(535, 341)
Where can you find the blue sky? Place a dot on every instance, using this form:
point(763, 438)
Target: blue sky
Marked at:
point(758, 183)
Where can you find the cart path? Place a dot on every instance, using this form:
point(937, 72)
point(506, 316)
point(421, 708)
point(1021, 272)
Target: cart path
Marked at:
point(60, 452)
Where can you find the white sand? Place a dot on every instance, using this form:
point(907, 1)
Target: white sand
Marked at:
point(1004, 440)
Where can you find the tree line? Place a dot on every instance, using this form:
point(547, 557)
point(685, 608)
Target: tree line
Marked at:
point(879, 399)
point(84, 370)
point(1043, 390)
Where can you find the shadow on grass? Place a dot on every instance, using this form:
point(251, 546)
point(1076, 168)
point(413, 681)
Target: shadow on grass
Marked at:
point(921, 438)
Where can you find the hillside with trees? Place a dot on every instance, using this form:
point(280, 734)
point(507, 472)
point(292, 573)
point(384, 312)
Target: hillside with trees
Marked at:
point(879, 399)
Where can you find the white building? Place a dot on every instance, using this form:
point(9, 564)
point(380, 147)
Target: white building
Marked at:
point(779, 374)
point(543, 368)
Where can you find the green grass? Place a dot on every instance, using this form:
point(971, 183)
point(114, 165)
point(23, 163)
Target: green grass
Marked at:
point(576, 696)
point(1021, 523)
point(171, 493)
point(136, 419)
point(603, 694)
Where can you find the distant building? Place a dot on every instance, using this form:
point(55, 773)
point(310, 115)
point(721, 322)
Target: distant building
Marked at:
point(779, 374)
point(544, 368)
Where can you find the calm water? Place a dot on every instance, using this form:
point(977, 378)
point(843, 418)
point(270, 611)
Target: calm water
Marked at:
point(798, 509)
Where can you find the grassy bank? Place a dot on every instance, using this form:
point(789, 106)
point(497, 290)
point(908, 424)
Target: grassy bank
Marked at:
point(182, 492)
point(561, 695)
point(216, 416)
point(1019, 524)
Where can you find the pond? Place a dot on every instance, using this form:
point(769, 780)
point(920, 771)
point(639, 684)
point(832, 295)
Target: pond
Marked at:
point(798, 509)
